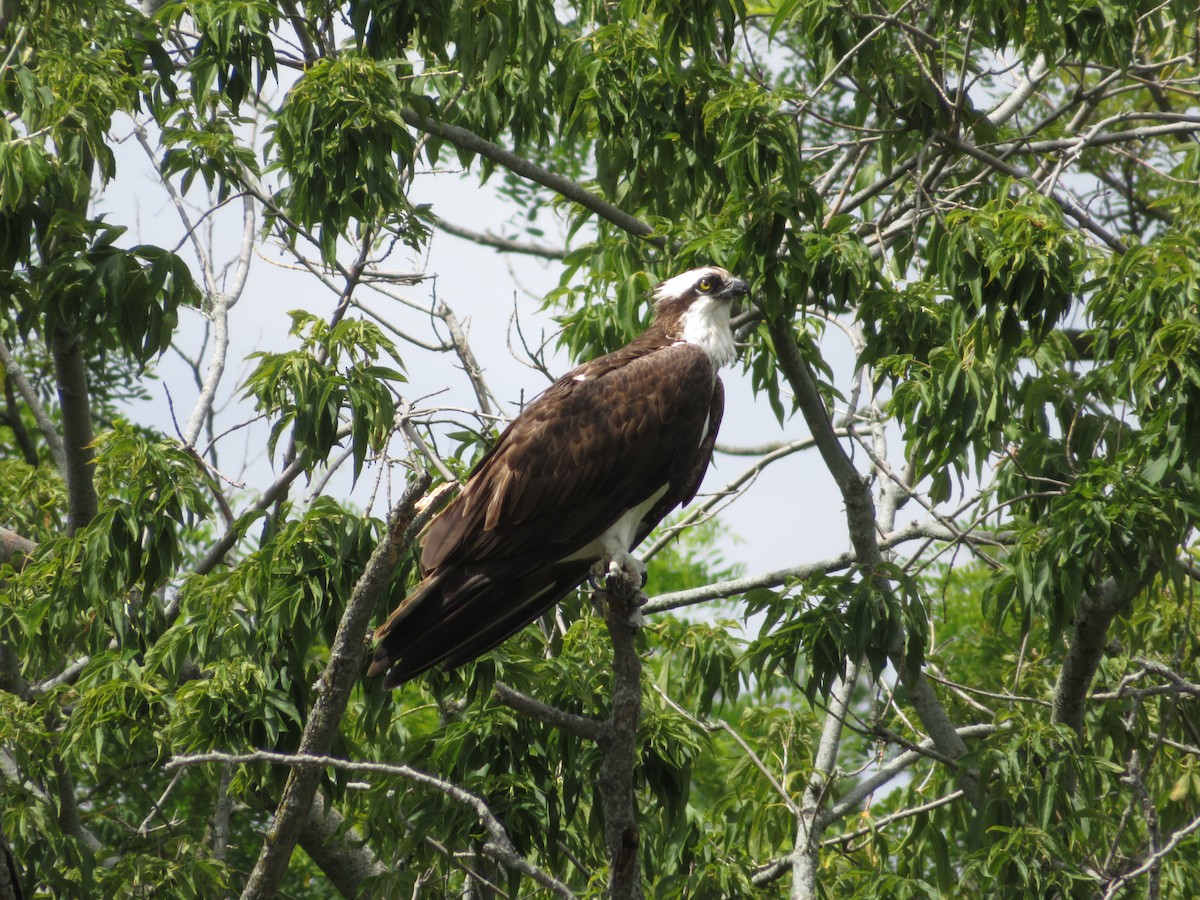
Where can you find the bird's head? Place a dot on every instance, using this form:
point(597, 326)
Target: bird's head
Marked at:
point(694, 307)
point(707, 282)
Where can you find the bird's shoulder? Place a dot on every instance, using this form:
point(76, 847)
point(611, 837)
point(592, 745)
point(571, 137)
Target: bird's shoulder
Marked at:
point(659, 359)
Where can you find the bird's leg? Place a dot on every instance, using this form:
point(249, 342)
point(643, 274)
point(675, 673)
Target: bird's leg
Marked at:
point(622, 580)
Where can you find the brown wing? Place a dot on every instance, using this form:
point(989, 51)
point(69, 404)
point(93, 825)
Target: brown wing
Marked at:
point(685, 484)
point(600, 440)
point(577, 457)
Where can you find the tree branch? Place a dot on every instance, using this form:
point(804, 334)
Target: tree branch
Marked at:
point(71, 375)
point(701, 510)
point(12, 543)
point(1152, 860)
point(226, 541)
point(222, 302)
point(11, 416)
point(860, 517)
point(506, 245)
point(1065, 201)
point(1011, 105)
point(332, 692)
point(222, 814)
point(622, 835)
point(579, 726)
point(889, 819)
point(809, 823)
point(1088, 638)
point(339, 852)
point(462, 347)
point(45, 424)
point(857, 794)
point(10, 884)
point(467, 140)
point(721, 589)
point(850, 801)
point(498, 847)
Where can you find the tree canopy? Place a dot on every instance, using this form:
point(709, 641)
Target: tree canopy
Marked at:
point(993, 689)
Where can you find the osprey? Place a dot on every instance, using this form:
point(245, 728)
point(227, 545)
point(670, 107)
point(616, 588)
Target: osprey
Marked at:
point(575, 482)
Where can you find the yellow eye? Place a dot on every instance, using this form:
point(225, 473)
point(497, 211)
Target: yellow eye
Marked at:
point(705, 285)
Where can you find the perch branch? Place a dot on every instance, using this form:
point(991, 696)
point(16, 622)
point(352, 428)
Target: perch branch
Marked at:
point(622, 835)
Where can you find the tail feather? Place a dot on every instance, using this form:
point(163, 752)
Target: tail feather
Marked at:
point(456, 614)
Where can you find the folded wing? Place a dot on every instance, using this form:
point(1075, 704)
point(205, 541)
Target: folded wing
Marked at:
point(602, 440)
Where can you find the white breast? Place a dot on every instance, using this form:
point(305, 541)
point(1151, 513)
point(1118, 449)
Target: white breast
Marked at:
point(618, 539)
point(706, 324)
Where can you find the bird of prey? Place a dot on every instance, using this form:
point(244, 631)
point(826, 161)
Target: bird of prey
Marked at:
point(574, 483)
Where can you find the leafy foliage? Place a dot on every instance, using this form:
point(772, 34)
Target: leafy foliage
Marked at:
point(991, 692)
point(311, 390)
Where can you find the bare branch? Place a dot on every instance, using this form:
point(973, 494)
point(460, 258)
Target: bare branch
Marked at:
point(418, 442)
point(12, 543)
point(221, 303)
point(965, 689)
point(45, 424)
point(699, 512)
point(1181, 126)
point(1152, 860)
point(574, 192)
point(894, 817)
point(70, 372)
point(860, 791)
point(580, 726)
point(506, 245)
point(1010, 105)
point(332, 693)
point(462, 347)
point(722, 589)
point(809, 822)
point(855, 795)
point(157, 807)
point(202, 258)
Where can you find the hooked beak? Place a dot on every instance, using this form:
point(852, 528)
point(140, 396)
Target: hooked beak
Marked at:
point(735, 290)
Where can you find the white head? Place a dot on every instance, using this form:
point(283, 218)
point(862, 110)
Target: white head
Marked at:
point(695, 308)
